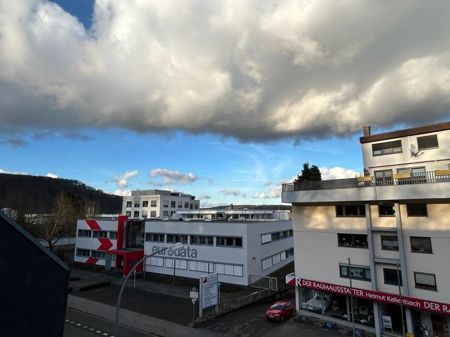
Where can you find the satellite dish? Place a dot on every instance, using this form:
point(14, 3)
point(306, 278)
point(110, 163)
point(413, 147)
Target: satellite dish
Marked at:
point(414, 151)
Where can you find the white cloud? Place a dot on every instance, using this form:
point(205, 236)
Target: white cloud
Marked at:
point(122, 193)
point(233, 192)
point(203, 197)
point(52, 175)
point(338, 172)
point(9, 172)
point(122, 179)
point(255, 70)
point(171, 177)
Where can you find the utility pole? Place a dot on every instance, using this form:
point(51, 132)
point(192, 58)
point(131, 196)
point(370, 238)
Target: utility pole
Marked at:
point(401, 299)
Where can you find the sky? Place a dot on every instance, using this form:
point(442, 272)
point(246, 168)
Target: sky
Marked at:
point(224, 100)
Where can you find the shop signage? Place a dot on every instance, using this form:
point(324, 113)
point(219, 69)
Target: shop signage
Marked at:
point(209, 290)
point(377, 296)
point(184, 252)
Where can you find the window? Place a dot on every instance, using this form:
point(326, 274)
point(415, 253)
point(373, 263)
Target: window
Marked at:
point(276, 236)
point(266, 238)
point(427, 142)
point(112, 235)
point(389, 242)
point(202, 240)
point(228, 241)
point(180, 204)
point(153, 203)
point(386, 210)
point(144, 214)
point(383, 177)
point(83, 252)
point(174, 238)
point(137, 203)
point(152, 214)
point(154, 237)
point(358, 272)
point(421, 245)
point(128, 213)
point(391, 277)
point(267, 263)
point(85, 233)
point(165, 214)
point(350, 210)
point(98, 254)
point(145, 203)
point(352, 240)
point(186, 205)
point(99, 234)
point(425, 281)
point(166, 203)
point(416, 209)
point(129, 203)
point(289, 252)
point(157, 261)
point(180, 264)
point(136, 214)
point(173, 204)
point(387, 148)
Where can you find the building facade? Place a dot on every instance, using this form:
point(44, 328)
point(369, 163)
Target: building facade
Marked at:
point(157, 204)
point(240, 245)
point(383, 238)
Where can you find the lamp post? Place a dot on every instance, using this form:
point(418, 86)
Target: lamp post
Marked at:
point(175, 247)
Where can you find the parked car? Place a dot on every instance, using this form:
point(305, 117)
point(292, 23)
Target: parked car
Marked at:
point(280, 311)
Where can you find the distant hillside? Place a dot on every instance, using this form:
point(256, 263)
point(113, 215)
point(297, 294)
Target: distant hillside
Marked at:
point(34, 194)
point(259, 207)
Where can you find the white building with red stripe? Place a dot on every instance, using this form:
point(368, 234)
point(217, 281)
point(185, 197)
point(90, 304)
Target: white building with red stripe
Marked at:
point(240, 245)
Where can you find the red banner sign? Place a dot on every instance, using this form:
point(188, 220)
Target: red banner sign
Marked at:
point(377, 296)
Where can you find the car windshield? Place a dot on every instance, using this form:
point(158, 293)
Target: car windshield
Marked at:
point(278, 306)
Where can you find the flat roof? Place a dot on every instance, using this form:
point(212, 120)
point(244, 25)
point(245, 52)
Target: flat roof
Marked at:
point(406, 132)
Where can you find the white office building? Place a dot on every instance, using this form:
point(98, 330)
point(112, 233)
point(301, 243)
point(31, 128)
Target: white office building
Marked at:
point(143, 204)
point(239, 245)
point(388, 230)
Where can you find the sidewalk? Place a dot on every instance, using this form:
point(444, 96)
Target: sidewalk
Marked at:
point(136, 320)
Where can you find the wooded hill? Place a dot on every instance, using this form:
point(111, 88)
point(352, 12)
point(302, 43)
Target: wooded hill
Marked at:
point(36, 194)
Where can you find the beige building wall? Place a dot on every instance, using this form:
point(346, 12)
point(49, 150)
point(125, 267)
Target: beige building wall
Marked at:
point(432, 159)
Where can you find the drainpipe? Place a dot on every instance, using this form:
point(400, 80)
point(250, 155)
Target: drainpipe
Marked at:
point(373, 273)
point(402, 256)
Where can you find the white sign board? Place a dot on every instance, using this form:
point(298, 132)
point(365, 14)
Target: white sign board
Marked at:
point(209, 290)
point(193, 295)
point(387, 322)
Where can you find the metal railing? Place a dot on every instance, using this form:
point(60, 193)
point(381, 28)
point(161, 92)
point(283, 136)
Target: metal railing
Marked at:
point(419, 178)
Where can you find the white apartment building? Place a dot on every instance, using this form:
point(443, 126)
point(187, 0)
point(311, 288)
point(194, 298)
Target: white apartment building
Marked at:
point(389, 228)
point(145, 204)
point(241, 246)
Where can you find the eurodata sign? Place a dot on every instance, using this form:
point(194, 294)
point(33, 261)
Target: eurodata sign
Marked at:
point(186, 252)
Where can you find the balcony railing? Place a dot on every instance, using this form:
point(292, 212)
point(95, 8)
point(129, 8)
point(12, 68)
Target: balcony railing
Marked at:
point(438, 176)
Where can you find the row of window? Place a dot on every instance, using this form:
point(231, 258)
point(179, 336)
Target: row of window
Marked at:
point(395, 146)
point(412, 210)
point(86, 233)
point(419, 244)
point(277, 258)
point(154, 203)
point(391, 276)
point(206, 240)
point(199, 266)
point(275, 236)
point(90, 253)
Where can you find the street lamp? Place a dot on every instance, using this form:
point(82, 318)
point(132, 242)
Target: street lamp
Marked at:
point(175, 247)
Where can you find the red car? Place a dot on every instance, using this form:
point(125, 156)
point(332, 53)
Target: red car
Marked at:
point(280, 311)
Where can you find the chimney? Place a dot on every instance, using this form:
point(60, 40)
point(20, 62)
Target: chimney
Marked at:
point(366, 130)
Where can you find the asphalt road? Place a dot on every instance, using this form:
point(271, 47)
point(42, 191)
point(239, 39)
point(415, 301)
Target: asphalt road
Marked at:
point(250, 322)
point(79, 324)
